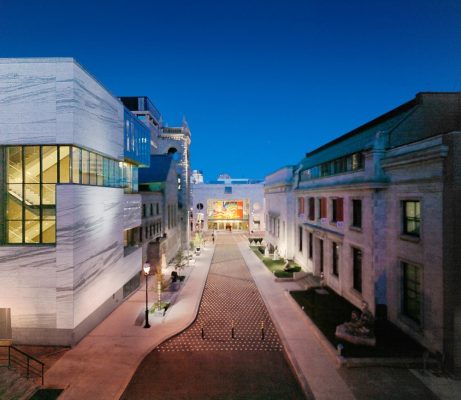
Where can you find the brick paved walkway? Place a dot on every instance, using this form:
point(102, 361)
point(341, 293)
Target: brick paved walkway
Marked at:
point(219, 366)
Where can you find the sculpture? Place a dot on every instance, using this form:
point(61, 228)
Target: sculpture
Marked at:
point(266, 251)
point(360, 329)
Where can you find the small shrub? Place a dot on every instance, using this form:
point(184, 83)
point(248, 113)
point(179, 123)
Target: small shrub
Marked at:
point(293, 268)
point(283, 274)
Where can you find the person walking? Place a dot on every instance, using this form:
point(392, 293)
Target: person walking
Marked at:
point(212, 237)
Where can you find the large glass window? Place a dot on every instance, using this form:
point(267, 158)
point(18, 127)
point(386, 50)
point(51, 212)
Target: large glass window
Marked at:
point(100, 170)
point(64, 164)
point(85, 167)
point(93, 169)
point(30, 199)
point(411, 303)
point(31, 175)
point(32, 164)
point(49, 164)
point(76, 164)
point(14, 165)
point(411, 217)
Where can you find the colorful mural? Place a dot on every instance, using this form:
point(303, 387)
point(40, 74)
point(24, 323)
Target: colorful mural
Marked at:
point(224, 209)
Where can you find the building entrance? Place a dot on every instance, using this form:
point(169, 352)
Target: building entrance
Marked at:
point(230, 225)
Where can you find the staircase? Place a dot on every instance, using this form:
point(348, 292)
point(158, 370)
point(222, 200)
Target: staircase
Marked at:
point(14, 386)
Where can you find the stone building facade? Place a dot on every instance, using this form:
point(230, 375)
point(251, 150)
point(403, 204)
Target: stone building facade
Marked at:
point(279, 215)
point(376, 214)
point(160, 212)
point(228, 204)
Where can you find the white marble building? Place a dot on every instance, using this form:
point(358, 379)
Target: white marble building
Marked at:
point(376, 213)
point(279, 205)
point(64, 222)
point(225, 204)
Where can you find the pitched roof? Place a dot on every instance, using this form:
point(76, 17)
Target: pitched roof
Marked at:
point(428, 114)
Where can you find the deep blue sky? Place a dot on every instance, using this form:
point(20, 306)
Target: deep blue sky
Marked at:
point(260, 82)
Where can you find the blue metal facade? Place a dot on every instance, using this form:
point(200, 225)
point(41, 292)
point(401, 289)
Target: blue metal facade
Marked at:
point(136, 140)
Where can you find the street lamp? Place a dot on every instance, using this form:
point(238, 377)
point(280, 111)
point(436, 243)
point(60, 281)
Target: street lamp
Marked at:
point(146, 268)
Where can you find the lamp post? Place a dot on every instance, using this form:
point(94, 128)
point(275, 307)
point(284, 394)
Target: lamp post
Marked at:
point(146, 268)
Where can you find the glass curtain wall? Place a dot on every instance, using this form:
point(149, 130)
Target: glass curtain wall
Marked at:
point(31, 175)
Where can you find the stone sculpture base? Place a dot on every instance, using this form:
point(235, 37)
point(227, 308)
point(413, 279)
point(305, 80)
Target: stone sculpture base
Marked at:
point(341, 333)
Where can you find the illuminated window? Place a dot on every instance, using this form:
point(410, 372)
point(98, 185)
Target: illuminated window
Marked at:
point(31, 175)
point(411, 217)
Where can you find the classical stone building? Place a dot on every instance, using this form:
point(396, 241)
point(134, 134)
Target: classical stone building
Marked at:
point(376, 213)
point(279, 216)
point(228, 204)
point(69, 156)
point(160, 214)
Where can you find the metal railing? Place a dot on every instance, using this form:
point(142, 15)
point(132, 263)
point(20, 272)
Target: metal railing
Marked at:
point(24, 363)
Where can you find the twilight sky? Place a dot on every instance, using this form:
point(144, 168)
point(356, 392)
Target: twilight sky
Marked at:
point(260, 82)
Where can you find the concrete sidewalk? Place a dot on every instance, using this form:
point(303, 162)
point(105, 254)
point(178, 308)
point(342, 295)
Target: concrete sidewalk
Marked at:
point(314, 367)
point(103, 363)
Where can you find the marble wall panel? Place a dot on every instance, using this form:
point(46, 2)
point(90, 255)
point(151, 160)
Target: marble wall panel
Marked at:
point(27, 285)
point(27, 102)
point(91, 222)
point(98, 116)
point(65, 255)
point(132, 211)
point(54, 100)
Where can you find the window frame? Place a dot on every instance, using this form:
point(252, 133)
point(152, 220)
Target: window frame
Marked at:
point(354, 221)
point(355, 253)
point(417, 320)
point(335, 259)
point(311, 205)
point(406, 219)
point(300, 239)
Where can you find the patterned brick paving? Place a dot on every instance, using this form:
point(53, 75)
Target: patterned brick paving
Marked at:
point(230, 298)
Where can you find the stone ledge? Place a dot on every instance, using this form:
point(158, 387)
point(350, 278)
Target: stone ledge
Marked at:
point(341, 333)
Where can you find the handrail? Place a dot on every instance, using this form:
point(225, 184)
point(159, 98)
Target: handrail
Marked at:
point(27, 366)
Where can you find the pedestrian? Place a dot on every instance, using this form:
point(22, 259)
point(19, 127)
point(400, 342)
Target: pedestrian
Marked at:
point(212, 237)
